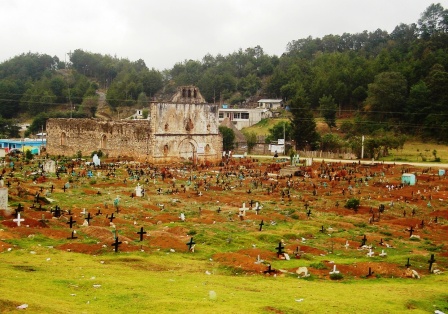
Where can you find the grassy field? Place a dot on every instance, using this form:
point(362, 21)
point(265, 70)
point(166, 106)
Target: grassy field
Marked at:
point(159, 275)
point(51, 281)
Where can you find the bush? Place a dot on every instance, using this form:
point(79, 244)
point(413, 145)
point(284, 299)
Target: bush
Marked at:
point(336, 276)
point(352, 203)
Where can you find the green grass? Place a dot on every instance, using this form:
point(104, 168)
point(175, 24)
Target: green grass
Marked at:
point(135, 283)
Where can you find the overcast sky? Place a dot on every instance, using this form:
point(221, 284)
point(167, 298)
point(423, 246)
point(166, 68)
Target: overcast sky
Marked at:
point(163, 33)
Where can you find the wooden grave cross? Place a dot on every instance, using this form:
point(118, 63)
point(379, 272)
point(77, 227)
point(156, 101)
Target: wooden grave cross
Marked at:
point(191, 245)
point(308, 213)
point(431, 261)
point(363, 241)
point(322, 229)
point(269, 270)
point(116, 244)
point(111, 217)
point(71, 222)
point(411, 231)
point(422, 224)
point(279, 249)
point(88, 218)
point(141, 233)
point(251, 203)
point(8, 184)
point(18, 220)
point(408, 264)
point(370, 272)
point(261, 224)
point(72, 237)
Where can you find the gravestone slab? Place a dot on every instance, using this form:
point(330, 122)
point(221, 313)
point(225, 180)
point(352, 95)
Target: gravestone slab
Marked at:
point(3, 198)
point(49, 166)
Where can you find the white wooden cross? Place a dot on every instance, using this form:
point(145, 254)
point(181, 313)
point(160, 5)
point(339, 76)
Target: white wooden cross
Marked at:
point(18, 219)
point(243, 210)
point(382, 254)
point(371, 253)
point(334, 270)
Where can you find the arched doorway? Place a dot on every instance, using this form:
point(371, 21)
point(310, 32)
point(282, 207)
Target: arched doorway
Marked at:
point(187, 150)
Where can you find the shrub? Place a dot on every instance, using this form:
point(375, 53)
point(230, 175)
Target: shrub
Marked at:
point(352, 203)
point(336, 276)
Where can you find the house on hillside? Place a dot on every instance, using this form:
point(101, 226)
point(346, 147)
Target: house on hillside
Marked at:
point(271, 104)
point(243, 117)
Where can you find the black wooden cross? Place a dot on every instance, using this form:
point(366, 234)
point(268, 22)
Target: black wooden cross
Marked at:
point(306, 206)
point(431, 261)
point(18, 209)
point(218, 210)
point(381, 242)
point(141, 233)
point(111, 217)
point(41, 189)
point(422, 224)
point(411, 231)
point(8, 184)
point(436, 219)
point(56, 211)
point(52, 188)
point(269, 270)
point(64, 188)
point(191, 244)
point(261, 225)
point(279, 249)
point(408, 264)
point(88, 218)
point(71, 222)
point(308, 213)
point(322, 229)
point(370, 272)
point(72, 237)
point(116, 244)
point(363, 240)
point(251, 203)
point(36, 198)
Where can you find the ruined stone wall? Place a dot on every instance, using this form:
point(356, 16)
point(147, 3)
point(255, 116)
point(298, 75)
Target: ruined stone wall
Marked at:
point(174, 132)
point(115, 138)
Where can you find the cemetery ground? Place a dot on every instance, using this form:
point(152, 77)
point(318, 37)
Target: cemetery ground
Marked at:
point(239, 237)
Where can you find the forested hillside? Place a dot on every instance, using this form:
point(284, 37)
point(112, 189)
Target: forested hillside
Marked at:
point(396, 82)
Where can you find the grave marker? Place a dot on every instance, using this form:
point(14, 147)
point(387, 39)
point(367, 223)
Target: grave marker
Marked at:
point(3, 198)
point(88, 218)
point(18, 220)
point(72, 237)
point(261, 225)
point(71, 222)
point(141, 233)
point(408, 264)
point(116, 244)
point(279, 249)
point(191, 244)
point(431, 261)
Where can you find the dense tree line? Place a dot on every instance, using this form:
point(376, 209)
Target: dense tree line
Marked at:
point(390, 82)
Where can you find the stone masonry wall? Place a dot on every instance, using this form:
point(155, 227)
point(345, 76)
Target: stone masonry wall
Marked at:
point(115, 138)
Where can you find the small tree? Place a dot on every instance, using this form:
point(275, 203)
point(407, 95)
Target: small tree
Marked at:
point(251, 139)
point(328, 109)
point(228, 138)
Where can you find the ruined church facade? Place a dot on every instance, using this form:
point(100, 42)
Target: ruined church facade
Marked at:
point(182, 129)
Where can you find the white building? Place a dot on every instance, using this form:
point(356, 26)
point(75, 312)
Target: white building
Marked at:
point(271, 104)
point(242, 118)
